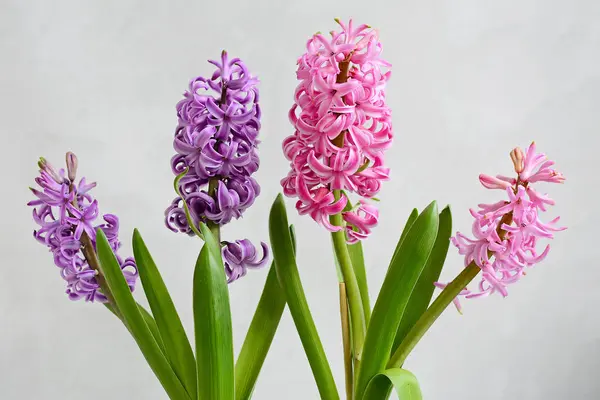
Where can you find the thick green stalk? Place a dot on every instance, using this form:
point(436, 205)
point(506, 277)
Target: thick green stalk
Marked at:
point(431, 315)
point(358, 264)
point(346, 341)
point(357, 315)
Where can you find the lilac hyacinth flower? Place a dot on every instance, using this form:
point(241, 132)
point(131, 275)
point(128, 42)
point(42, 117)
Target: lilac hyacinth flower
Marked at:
point(241, 255)
point(65, 211)
point(216, 143)
point(216, 139)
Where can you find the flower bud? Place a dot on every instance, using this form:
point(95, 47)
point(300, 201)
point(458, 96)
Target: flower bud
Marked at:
point(492, 182)
point(517, 158)
point(49, 169)
point(71, 166)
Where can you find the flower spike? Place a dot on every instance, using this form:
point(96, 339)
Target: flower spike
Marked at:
point(216, 143)
point(507, 234)
point(65, 211)
point(342, 127)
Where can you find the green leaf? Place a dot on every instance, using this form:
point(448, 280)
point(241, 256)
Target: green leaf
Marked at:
point(260, 333)
point(409, 223)
point(212, 322)
point(259, 337)
point(423, 291)
point(134, 319)
point(401, 278)
point(293, 236)
point(358, 264)
point(289, 279)
point(405, 383)
point(149, 321)
point(177, 346)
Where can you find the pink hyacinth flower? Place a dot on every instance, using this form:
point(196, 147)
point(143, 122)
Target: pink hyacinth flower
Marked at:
point(507, 233)
point(361, 221)
point(320, 204)
point(342, 126)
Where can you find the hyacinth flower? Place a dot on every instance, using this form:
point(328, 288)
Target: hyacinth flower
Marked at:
point(342, 126)
point(216, 143)
point(507, 239)
point(507, 234)
point(68, 217)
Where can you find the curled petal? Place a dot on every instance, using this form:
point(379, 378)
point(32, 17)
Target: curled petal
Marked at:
point(240, 255)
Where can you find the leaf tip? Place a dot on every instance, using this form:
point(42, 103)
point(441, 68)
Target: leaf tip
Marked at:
point(100, 233)
point(279, 198)
point(432, 207)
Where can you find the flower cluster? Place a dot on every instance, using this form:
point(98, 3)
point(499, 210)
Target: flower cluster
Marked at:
point(216, 143)
point(507, 233)
point(215, 140)
point(342, 127)
point(67, 214)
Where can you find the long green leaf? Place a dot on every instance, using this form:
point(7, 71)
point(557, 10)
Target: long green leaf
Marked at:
point(401, 278)
point(260, 333)
point(259, 337)
point(149, 319)
point(212, 322)
point(423, 291)
point(405, 383)
point(409, 223)
point(134, 320)
point(358, 264)
point(177, 346)
point(289, 279)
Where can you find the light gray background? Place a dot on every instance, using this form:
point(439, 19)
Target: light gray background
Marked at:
point(471, 79)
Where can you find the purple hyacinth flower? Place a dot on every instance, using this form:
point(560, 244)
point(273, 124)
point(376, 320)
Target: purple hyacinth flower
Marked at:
point(226, 158)
point(216, 143)
point(216, 139)
point(240, 255)
point(83, 219)
point(64, 210)
point(231, 119)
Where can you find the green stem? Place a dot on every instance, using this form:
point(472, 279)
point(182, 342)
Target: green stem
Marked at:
point(346, 341)
point(91, 257)
point(431, 315)
point(357, 315)
point(214, 228)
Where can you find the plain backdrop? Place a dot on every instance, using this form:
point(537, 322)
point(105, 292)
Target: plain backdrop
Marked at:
point(471, 80)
